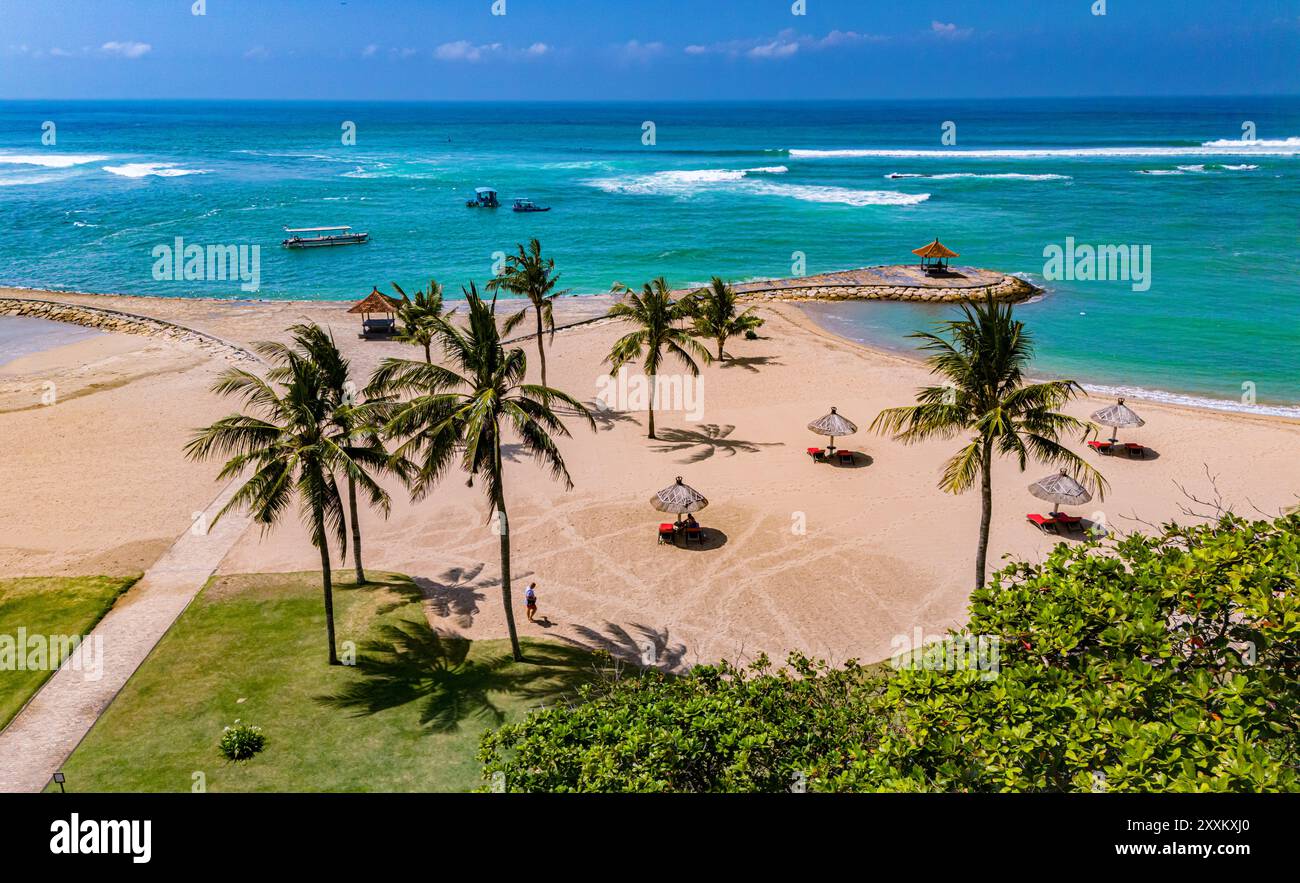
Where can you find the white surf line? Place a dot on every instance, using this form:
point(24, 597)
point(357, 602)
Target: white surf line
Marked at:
point(47, 730)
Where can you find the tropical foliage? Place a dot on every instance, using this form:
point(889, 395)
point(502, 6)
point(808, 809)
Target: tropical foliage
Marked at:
point(987, 400)
point(1163, 663)
point(417, 316)
point(461, 413)
point(715, 315)
point(659, 333)
point(354, 426)
point(529, 275)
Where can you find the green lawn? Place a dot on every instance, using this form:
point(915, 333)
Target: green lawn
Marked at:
point(45, 606)
point(406, 717)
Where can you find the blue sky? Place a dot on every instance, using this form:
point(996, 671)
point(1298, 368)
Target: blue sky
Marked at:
point(645, 49)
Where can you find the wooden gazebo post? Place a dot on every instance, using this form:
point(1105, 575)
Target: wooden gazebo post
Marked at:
point(936, 251)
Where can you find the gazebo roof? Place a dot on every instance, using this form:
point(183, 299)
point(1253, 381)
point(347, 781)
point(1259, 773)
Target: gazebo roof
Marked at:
point(935, 249)
point(376, 302)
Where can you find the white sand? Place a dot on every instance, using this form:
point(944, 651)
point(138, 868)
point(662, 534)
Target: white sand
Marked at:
point(102, 487)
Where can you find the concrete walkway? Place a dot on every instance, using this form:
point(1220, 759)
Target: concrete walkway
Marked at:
point(53, 723)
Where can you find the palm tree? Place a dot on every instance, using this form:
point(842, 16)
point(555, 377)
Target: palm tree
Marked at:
point(987, 398)
point(418, 315)
point(657, 317)
point(289, 444)
point(715, 314)
point(460, 412)
point(354, 426)
point(527, 274)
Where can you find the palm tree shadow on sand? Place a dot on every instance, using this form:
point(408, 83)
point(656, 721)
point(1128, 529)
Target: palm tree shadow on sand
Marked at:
point(411, 663)
point(456, 594)
point(709, 440)
point(749, 363)
point(637, 644)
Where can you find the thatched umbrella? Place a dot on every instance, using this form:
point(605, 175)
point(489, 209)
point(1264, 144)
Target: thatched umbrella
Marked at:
point(679, 498)
point(1118, 416)
point(833, 425)
point(1060, 489)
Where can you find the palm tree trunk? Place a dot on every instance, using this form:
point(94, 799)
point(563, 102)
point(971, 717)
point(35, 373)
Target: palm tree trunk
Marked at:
point(986, 514)
point(326, 583)
point(428, 357)
point(654, 388)
point(503, 527)
point(356, 530)
point(721, 342)
point(541, 350)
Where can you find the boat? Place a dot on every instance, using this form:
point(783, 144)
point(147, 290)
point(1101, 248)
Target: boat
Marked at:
point(527, 205)
point(324, 236)
point(484, 197)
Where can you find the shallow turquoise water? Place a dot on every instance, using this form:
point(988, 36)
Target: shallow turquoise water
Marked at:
point(740, 190)
point(24, 335)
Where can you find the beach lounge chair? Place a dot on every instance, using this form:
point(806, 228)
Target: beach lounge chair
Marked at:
point(1135, 448)
point(1070, 521)
point(1043, 522)
point(846, 457)
point(695, 533)
point(667, 533)
point(378, 328)
point(1102, 447)
point(818, 455)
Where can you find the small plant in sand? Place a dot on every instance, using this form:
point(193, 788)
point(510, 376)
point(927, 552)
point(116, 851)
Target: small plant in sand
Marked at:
point(240, 741)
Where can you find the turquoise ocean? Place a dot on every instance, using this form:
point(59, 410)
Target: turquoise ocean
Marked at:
point(741, 190)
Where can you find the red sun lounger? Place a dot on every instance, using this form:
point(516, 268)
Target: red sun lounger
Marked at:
point(1042, 521)
point(1102, 447)
point(667, 533)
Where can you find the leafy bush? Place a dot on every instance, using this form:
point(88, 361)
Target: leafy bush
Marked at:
point(720, 728)
point(241, 741)
point(1161, 663)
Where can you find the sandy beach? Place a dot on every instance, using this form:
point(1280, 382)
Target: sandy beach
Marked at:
point(802, 556)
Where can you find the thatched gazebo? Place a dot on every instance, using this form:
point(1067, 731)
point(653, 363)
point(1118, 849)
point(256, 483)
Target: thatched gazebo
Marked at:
point(934, 257)
point(1060, 490)
point(375, 304)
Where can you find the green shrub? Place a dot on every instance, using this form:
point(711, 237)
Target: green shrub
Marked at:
point(1159, 663)
point(241, 741)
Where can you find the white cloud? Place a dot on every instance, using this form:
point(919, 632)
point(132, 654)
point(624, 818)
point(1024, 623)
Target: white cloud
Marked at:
point(775, 49)
point(635, 50)
point(369, 51)
point(405, 52)
point(60, 53)
point(463, 50)
point(537, 50)
point(258, 52)
point(126, 49)
point(949, 31)
point(785, 44)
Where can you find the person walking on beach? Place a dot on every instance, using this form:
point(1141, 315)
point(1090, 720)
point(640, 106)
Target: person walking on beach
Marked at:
point(530, 600)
